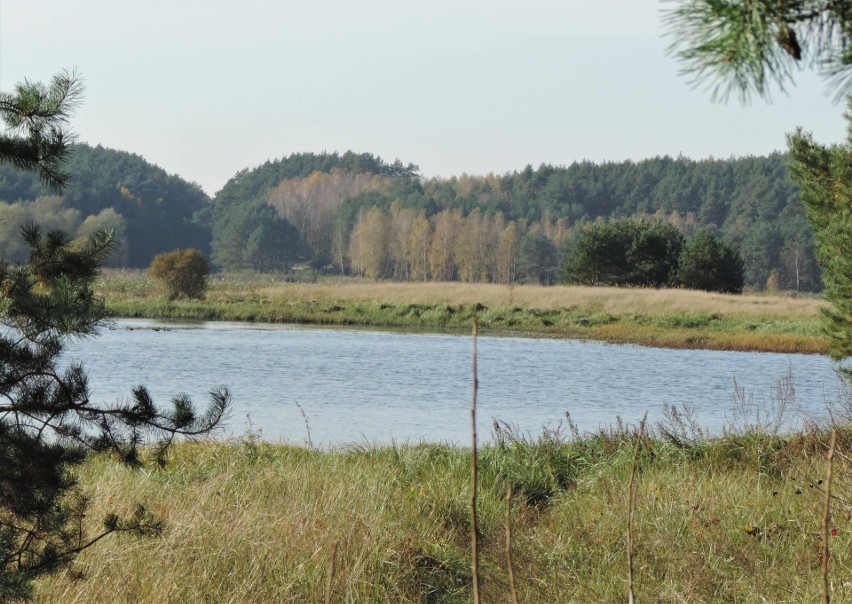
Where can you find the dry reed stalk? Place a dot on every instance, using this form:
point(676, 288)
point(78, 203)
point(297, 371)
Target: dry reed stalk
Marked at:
point(631, 497)
point(474, 521)
point(308, 440)
point(826, 513)
point(509, 544)
point(330, 581)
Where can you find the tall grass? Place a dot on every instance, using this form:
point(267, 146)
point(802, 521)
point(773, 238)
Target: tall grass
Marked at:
point(732, 519)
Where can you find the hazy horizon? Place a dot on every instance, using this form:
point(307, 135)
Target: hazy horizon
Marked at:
point(205, 89)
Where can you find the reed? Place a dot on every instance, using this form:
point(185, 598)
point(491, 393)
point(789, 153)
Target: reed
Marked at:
point(332, 560)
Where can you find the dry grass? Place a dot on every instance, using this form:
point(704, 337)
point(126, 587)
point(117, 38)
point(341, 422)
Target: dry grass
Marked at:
point(669, 318)
point(608, 299)
point(735, 520)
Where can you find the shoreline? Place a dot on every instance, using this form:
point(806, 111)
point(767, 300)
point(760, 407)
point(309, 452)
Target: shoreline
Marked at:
point(676, 319)
point(699, 332)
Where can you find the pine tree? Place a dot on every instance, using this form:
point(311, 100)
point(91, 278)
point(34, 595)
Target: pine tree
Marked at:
point(745, 46)
point(48, 423)
point(825, 177)
point(36, 118)
point(709, 264)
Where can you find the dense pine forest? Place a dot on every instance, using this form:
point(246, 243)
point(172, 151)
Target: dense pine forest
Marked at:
point(356, 214)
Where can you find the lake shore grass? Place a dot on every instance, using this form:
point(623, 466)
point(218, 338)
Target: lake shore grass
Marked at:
point(670, 318)
point(732, 519)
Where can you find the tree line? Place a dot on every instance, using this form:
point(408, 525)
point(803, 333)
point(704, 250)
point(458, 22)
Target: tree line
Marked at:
point(321, 208)
point(325, 213)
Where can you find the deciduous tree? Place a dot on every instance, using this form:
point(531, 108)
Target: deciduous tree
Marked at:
point(445, 232)
point(507, 254)
point(368, 245)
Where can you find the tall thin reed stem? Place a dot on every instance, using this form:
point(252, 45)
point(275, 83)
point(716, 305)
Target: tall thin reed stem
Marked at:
point(826, 515)
point(474, 521)
point(329, 583)
point(308, 440)
point(509, 544)
point(631, 498)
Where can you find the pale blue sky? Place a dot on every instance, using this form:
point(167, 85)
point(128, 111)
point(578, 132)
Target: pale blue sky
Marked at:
point(206, 88)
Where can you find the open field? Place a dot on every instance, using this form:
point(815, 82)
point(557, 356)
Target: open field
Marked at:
point(737, 519)
point(667, 317)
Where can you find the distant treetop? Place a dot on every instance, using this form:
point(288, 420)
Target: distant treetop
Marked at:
point(247, 184)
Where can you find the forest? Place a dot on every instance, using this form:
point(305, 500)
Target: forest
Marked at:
point(354, 213)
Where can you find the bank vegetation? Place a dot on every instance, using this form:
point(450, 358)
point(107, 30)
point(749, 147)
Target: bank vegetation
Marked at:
point(672, 318)
point(732, 519)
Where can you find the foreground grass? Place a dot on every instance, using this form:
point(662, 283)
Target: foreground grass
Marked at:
point(667, 318)
point(730, 520)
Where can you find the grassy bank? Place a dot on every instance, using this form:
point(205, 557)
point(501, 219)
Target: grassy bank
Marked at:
point(667, 318)
point(731, 520)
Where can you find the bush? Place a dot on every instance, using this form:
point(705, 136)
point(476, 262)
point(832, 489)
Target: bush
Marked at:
point(183, 273)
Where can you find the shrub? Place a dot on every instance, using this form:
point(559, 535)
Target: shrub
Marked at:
point(183, 273)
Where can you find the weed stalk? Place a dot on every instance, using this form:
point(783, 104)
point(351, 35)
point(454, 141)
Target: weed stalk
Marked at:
point(631, 500)
point(330, 581)
point(474, 521)
point(826, 514)
point(509, 544)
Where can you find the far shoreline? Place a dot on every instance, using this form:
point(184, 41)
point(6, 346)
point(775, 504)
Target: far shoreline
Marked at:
point(668, 318)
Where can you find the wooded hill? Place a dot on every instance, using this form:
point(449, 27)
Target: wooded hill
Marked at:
point(355, 213)
point(152, 211)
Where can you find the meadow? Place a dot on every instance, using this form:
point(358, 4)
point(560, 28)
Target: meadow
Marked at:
point(734, 519)
point(672, 318)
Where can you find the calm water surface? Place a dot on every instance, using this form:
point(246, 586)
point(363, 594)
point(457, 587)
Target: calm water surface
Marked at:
point(375, 386)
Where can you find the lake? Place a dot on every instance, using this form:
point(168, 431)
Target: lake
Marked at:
point(358, 386)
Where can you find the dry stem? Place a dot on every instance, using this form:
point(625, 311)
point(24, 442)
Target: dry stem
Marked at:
point(509, 544)
point(330, 580)
point(630, 505)
point(474, 521)
point(826, 595)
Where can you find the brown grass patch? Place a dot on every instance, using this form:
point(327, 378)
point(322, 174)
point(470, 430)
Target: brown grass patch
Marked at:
point(609, 299)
